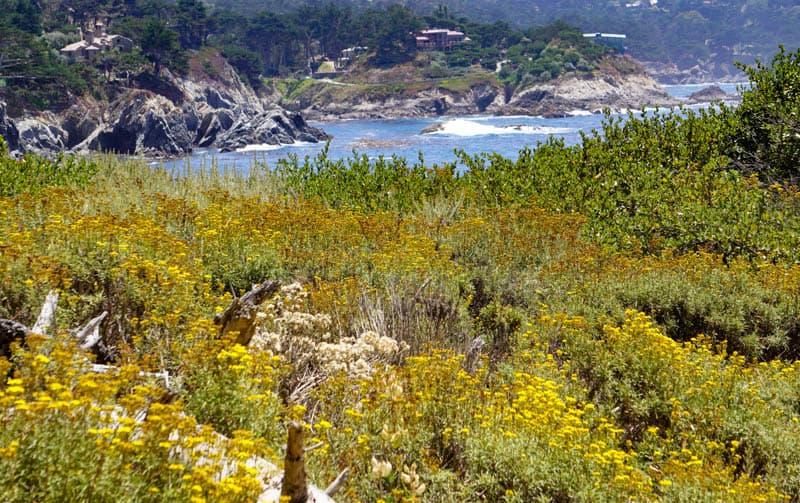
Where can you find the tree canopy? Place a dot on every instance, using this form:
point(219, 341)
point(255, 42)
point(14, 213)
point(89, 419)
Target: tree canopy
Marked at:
point(766, 126)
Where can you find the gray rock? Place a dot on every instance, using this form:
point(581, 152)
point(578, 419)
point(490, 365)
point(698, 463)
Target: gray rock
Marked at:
point(168, 115)
point(190, 117)
point(144, 123)
point(216, 99)
point(164, 134)
point(275, 127)
point(78, 127)
point(710, 94)
point(483, 96)
point(8, 130)
point(138, 122)
point(41, 135)
point(212, 124)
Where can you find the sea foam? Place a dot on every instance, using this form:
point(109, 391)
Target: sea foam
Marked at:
point(463, 127)
point(260, 147)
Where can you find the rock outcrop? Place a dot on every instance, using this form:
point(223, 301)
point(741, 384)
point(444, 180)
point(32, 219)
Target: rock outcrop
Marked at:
point(8, 130)
point(166, 116)
point(711, 94)
point(612, 89)
point(591, 93)
point(702, 72)
point(138, 122)
point(41, 134)
point(328, 100)
point(274, 127)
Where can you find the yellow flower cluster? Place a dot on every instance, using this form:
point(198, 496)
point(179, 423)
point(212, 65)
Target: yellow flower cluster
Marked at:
point(107, 424)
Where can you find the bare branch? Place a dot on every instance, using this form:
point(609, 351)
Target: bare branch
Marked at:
point(240, 315)
point(338, 482)
point(89, 335)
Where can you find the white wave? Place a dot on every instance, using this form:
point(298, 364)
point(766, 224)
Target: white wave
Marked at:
point(553, 130)
point(462, 127)
point(579, 113)
point(262, 147)
point(489, 118)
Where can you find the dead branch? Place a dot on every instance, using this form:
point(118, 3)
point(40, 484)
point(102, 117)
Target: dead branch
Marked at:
point(89, 335)
point(314, 447)
point(98, 368)
point(417, 296)
point(240, 316)
point(338, 483)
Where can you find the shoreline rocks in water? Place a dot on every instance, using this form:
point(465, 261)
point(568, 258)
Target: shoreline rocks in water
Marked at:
point(162, 117)
point(273, 127)
point(170, 116)
point(700, 73)
point(710, 94)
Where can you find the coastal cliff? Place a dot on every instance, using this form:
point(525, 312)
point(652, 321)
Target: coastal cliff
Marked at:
point(210, 106)
point(168, 115)
point(390, 94)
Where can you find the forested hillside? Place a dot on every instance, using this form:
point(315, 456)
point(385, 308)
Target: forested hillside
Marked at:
point(683, 32)
point(292, 44)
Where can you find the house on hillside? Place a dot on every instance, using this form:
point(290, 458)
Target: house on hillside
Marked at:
point(616, 40)
point(439, 39)
point(95, 41)
point(349, 55)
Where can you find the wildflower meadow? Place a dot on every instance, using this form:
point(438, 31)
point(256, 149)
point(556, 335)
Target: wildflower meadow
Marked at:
point(614, 321)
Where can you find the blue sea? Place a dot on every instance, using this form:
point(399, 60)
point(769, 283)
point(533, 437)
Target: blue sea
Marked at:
point(408, 137)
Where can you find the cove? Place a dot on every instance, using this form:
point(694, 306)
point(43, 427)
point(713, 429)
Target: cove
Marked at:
point(433, 139)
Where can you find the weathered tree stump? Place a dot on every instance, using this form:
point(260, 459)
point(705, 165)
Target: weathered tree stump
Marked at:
point(240, 316)
point(294, 469)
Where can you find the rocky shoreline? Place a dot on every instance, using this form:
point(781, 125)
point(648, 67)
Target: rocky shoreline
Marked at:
point(164, 117)
point(701, 73)
point(173, 115)
point(324, 102)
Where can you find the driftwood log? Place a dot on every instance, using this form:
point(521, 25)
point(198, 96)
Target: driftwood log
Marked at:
point(88, 335)
point(239, 317)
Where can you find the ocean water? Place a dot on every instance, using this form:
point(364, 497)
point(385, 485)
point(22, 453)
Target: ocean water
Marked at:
point(412, 138)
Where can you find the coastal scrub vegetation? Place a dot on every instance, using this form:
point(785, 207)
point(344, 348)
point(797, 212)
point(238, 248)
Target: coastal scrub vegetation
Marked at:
point(610, 321)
